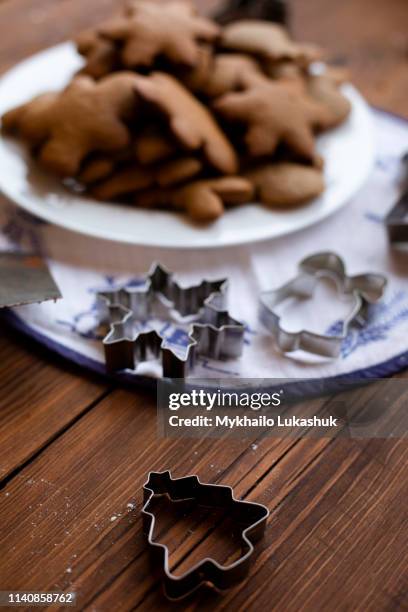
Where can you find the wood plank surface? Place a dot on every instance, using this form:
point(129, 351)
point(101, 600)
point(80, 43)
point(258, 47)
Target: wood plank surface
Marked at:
point(369, 36)
point(40, 396)
point(79, 501)
point(79, 525)
point(74, 452)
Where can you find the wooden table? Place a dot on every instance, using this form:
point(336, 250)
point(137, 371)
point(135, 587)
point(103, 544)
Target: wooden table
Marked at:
point(74, 450)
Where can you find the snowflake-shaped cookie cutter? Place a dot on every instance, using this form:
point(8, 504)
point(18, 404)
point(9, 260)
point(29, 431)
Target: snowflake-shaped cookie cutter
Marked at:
point(250, 518)
point(212, 332)
point(364, 289)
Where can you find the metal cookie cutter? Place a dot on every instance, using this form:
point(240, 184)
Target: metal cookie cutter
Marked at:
point(212, 331)
point(365, 289)
point(249, 517)
point(397, 219)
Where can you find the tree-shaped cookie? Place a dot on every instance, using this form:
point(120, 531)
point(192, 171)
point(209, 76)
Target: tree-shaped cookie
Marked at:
point(273, 114)
point(172, 30)
point(189, 120)
point(84, 117)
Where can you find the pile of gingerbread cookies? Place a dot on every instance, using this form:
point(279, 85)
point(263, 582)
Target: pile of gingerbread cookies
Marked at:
point(173, 111)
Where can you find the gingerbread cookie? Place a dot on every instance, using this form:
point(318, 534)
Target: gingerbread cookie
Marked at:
point(324, 89)
point(171, 30)
point(184, 6)
point(229, 72)
point(273, 114)
point(285, 184)
point(202, 200)
point(123, 182)
point(133, 178)
point(316, 110)
point(100, 54)
point(196, 77)
point(151, 147)
point(83, 118)
point(189, 120)
point(326, 106)
point(28, 119)
point(177, 171)
point(166, 136)
point(266, 40)
point(284, 70)
point(96, 169)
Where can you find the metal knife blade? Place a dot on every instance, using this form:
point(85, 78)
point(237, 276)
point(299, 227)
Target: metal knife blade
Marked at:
point(25, 279)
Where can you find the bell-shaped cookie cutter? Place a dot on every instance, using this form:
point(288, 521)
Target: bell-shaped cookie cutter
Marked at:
point(213, 333)
point(250, 517)
point(364, 289)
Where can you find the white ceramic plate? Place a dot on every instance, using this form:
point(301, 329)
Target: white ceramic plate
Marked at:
point(348, 152)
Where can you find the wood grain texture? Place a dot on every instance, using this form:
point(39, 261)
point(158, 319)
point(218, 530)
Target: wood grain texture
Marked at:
point(369, 36)
point(38, 399)
point(74, 454)
point(79, 525)
point(73, 500)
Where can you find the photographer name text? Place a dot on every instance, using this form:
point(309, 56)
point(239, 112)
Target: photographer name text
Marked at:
point(232, 422)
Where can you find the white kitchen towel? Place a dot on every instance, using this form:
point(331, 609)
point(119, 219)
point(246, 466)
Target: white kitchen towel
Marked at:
point(81, 266)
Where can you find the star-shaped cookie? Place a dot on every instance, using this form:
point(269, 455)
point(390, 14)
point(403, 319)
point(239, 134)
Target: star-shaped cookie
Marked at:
point(272, 114)
point(172, 30)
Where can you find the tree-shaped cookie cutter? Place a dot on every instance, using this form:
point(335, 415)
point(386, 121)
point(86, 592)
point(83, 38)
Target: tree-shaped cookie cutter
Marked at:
point(213, 333)
point(248, 516)
point(364, 289)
